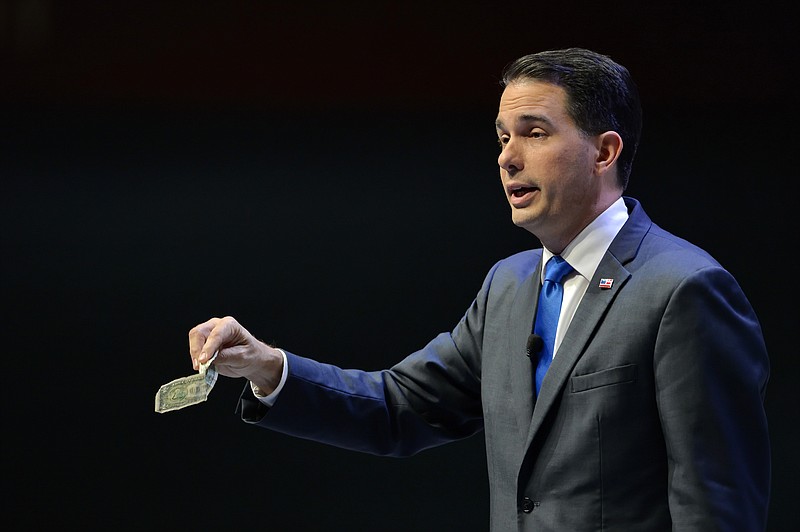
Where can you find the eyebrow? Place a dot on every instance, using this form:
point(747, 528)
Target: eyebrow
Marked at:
point(498, 124)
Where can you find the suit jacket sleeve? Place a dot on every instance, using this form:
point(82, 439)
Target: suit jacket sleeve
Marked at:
point(711, 371)
point(429, 398)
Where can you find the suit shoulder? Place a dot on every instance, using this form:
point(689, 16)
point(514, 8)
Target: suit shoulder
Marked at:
point(513, 270)
point(673, 252)
point(522, 263)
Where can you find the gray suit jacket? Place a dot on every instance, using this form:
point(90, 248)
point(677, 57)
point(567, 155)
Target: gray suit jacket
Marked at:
point(650, 417)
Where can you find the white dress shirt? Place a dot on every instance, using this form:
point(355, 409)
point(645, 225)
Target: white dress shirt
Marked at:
point(584, 254)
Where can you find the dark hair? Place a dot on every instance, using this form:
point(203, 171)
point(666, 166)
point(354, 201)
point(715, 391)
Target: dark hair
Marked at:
point(601, 94)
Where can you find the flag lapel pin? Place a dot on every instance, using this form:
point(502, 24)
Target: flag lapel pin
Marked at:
point(606, 283)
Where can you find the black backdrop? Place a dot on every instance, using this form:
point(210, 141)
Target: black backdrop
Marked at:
point(327, 175)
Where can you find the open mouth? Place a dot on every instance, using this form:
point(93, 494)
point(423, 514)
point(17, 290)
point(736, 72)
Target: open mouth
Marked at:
point(519, 192)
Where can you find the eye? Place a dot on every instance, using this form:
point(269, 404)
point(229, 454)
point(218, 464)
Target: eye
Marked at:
point(502, 140)
point(537, 134)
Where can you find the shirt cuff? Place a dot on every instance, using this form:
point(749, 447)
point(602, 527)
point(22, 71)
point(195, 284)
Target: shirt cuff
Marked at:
point(270, 399)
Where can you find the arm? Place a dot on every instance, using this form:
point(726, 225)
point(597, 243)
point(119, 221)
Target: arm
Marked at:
point(711, 371)
point(429, 398)
point(396, 412)
point(422, 402)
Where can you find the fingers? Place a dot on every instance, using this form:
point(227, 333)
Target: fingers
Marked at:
point(212, 336)
point(226, 333)
point(197, 339)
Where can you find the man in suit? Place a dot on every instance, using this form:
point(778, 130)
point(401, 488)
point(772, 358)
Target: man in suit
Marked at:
point(650, 416)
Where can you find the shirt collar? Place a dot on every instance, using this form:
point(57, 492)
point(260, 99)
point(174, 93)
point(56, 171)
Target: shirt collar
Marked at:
point(586, 250)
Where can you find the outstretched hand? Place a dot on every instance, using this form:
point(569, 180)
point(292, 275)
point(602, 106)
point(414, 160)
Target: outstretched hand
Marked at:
point(239, 353)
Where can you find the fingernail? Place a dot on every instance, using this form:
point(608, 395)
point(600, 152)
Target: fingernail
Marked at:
point(202, 358)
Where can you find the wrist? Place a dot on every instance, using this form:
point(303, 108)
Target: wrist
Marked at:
point(270, 372)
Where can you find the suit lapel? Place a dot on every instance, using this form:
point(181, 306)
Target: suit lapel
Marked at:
point(588, 315)
point(520, 366)
point(590, 312)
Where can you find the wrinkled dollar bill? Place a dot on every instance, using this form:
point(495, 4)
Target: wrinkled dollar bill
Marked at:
point(187, 391)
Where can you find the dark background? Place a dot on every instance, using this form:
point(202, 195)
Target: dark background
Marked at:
point(327, 175)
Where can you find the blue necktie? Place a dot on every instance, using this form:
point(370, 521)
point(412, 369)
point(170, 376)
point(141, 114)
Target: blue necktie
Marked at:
point(547, 312)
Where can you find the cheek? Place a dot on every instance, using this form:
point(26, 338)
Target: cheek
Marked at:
point(574, 166)
point(568, 178)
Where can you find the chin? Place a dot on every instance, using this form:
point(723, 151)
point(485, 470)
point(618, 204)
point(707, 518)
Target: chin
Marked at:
point(524, 222)
point(520, 219)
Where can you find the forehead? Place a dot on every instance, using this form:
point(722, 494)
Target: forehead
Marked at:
point(532, 98)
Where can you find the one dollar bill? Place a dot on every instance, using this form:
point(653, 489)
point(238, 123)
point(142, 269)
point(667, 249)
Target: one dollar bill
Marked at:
point(187, 391)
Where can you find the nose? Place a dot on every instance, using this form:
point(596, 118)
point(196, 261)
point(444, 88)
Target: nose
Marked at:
point(510, 159)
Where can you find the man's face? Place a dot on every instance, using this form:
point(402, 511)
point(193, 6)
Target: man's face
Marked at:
point(546, 163)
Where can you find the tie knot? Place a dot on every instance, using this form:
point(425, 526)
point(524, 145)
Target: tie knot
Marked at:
point(556, 268)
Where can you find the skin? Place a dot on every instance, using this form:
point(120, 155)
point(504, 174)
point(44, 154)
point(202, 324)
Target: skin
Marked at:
point(240, 354)
point(557, 179)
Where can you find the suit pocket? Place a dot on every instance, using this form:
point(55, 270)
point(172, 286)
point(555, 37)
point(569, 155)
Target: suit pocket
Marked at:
point(605, 377)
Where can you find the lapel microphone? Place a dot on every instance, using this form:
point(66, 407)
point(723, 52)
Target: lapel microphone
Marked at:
point(535, 344)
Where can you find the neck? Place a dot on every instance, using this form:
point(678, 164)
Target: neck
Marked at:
point(559, 240)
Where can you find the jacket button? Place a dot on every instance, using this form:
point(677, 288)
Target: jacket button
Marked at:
point(527, 505)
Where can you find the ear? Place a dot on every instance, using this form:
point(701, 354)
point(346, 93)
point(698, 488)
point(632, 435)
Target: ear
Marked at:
point(609, 146)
